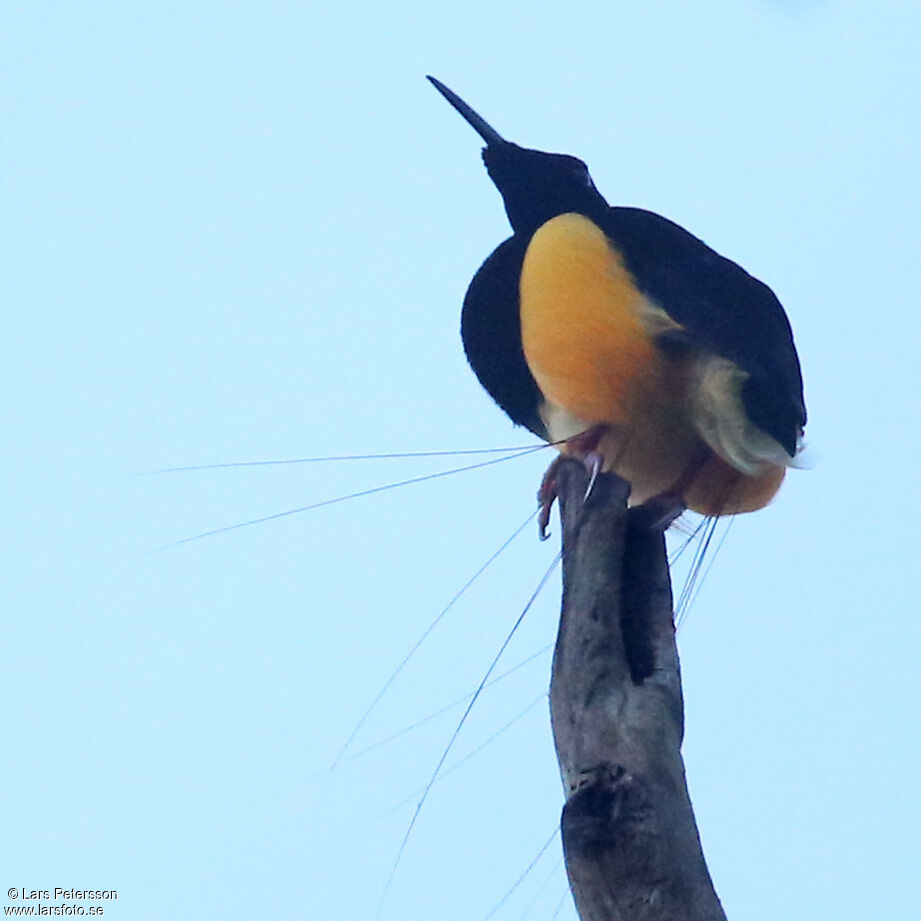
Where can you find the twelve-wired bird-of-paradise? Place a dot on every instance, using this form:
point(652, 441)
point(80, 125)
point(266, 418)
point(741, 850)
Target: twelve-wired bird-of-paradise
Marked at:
point(619, 336)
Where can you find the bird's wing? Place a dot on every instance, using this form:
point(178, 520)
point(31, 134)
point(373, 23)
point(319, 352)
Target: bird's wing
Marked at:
point(491, 331)
point(721, 309)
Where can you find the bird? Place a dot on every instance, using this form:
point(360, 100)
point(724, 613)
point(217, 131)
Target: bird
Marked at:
point(616, 335)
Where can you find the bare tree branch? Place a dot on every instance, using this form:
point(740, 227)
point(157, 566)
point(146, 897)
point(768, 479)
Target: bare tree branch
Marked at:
point(629, 834)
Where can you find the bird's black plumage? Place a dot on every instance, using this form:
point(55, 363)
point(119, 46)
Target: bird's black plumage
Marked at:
point(491, 332)
point(720, 310)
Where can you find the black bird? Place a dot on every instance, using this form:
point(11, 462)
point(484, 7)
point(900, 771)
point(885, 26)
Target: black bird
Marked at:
point(620, 337)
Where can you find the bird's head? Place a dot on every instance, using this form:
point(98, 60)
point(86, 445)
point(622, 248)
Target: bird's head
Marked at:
point(535, 185)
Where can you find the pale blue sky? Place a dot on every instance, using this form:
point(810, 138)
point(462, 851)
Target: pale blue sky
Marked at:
point(243, 230)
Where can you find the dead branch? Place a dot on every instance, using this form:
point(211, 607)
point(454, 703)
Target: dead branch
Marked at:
point(629, 834)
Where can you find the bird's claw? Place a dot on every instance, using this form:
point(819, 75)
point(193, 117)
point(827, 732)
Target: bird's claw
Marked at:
point(546, 496)
point(593, 461)
point(548, 491)
point(543, 521)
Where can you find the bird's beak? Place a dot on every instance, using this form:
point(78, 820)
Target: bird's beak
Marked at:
point(480, 125)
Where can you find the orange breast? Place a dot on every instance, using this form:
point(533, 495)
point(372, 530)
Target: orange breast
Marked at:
point(588, 338)
point(580, 324)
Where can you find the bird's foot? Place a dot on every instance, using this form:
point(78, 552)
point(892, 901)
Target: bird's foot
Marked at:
point(546, 496)
point(585, 446)
point(585, 443)
point(548, 491)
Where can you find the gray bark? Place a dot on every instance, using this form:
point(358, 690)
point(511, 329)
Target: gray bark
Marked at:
point(629, 835)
